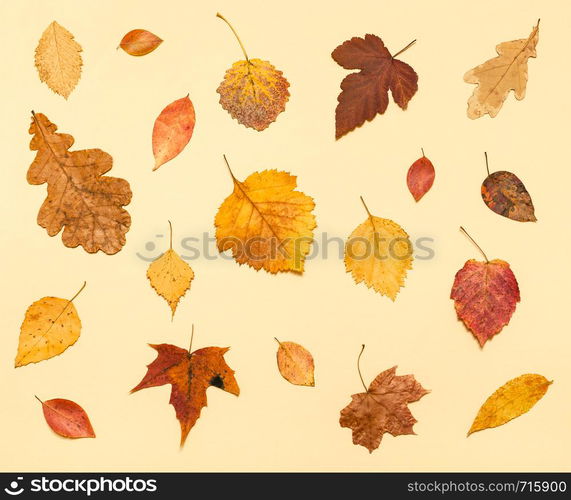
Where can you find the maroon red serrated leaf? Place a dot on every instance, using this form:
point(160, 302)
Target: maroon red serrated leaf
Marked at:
point(485, 295)
point(365, 94)
point(420, 177)
point(67, 418)
point(383, 408)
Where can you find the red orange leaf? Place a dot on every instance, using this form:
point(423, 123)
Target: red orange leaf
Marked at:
point(365, 94)
point(189, 374)
point(67, 418)
point(172, 131)
point(420, 177)
point(383, 408)
point(485, 295)
point(140, 42)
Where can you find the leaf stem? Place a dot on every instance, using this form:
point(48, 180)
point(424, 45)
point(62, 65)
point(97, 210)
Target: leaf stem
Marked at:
point(474, 241)
point(191, 339)
point(423, 153)
point(79, 291)
point(487, 166)
point(38, 399)
point(365, 205)
point(405, 48)
point(276, 339)
point(359, 368)
point(235, 34)
point(229, 169)
point(170, 228)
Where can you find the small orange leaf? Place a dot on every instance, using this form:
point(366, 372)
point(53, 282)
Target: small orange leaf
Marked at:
point(140, 42)
point(172, 131)
point(295, 363)
point(67, 418)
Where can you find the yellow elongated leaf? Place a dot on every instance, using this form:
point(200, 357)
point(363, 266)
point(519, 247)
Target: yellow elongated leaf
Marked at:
point(266, 223)
point(379, 253)
point(170, 276)
point(58, 59)
point(295, 364)
point(50, 326)
point(511, 400)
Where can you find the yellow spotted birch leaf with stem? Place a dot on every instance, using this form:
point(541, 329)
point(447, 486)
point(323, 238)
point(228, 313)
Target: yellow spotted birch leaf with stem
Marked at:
point(50, 326)
point(253, 91)
point(379, 253)
point(170, 276)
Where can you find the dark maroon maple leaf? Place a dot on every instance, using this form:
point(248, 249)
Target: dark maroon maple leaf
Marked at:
point(365, 94)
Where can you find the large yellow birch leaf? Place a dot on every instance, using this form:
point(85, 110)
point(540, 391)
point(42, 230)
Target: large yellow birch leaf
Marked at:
point(58, 59)
point(511, 400)
point(50, 326)
point(379, 253)
point(496, 77)
point(253, 91)
point(170, 276)
point(266, 223)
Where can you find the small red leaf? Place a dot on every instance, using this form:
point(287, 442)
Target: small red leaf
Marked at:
point(67, 418)
point(420, 177)
point(140, 42)
point(173, 129)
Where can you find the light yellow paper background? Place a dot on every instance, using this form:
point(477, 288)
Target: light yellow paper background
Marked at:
point(274, 425)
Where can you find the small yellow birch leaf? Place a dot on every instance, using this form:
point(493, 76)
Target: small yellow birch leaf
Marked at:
point(266, 223)
point(295, 363)
point(511, 400)
point(58, 59)
point(253, 91)
point(170, 276)
point(50, 326)
point(379, 253)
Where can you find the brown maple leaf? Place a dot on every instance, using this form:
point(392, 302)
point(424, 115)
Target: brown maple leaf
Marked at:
point(189, 374)
point(87, 204)
point(382, 408)
point(365, 94)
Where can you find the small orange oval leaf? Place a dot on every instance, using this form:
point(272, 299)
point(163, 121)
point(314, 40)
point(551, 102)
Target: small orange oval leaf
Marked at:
point(296, 364)
point(140, 42)
point(67, 418)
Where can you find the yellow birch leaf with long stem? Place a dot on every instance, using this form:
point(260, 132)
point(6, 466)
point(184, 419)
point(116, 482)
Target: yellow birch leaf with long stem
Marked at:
point(170, 276)
point(266, 223)
point(511, 400)
point(58, 59)
point(50, 326)
point(253, 91)
point(379, 253)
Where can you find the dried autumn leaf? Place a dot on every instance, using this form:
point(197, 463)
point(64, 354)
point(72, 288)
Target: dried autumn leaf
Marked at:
point(295, 363)
point(382, 408)
point(379, 253)
point(50, 326)
point(170, 276)
point(189, 374)
point(506, 195)
point(420, 177)
point(266, 223)
point(498, 76)
point(253, 91)
point(58, 59)
point(87, 204)
point(173, 129)
point(140, 42)
point(485, 295)
point(366, 93)
point(511, 400)
point(67, 418)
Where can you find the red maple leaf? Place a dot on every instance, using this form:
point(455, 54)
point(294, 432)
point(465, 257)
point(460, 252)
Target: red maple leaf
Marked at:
point(190, 374)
